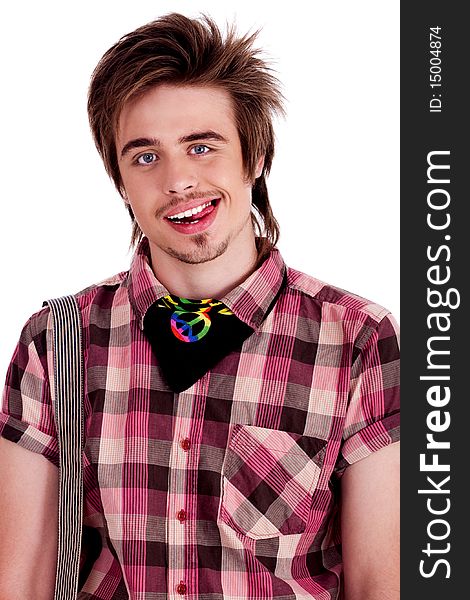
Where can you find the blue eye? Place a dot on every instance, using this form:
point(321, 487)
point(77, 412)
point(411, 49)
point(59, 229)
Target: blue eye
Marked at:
point(147, 159)
point(200, 149)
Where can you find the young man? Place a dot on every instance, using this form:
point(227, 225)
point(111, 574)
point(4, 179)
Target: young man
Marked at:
point(241, 418)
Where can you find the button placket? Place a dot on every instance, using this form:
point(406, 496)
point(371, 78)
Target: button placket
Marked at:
point(177, 515)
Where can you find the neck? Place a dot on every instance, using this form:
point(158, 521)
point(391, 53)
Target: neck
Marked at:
point(211, 279)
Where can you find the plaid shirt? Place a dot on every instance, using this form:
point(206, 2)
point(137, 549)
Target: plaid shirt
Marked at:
point(230, 488)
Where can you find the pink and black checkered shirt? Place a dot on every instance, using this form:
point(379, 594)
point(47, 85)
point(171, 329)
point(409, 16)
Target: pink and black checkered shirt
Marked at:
point(228, 490)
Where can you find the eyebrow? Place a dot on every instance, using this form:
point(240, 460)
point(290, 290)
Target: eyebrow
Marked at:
point(142, 142)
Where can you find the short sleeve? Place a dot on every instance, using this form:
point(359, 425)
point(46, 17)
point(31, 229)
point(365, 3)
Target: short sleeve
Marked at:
point(373, 416)
point(26, 415)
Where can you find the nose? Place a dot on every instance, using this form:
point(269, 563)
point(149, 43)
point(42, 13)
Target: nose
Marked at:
point(179, 176)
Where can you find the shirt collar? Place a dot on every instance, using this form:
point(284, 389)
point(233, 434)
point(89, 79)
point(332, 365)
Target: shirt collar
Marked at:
point(144, 287)
point(253, 299)
point(250, 301)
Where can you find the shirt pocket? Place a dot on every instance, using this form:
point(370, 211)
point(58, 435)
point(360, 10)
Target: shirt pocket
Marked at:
point(268, 481)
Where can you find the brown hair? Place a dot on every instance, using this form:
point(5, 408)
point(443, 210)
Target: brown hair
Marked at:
point(178, 50)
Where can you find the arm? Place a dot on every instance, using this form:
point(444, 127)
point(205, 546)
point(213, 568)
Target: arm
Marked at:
point(28, 524)
point(370, 526)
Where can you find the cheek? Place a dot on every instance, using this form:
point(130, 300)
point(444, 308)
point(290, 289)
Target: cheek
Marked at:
point(232, 179)
point(137, 191)
point(138, 202)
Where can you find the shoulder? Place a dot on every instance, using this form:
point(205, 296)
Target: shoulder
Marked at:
point(362, 317)
point(321, 293)
point(103, 295)
point(104, 291)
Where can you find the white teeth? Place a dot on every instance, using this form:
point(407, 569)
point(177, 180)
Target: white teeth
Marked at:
point(191, 211)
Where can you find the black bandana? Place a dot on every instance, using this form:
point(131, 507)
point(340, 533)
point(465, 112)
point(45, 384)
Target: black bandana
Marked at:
point(189, 337)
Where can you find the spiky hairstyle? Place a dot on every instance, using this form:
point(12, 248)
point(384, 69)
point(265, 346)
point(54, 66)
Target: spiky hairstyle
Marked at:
point(175, 49)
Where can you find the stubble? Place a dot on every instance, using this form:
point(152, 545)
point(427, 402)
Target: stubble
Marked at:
point(202, 252)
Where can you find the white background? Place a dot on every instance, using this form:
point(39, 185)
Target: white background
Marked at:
point(335, 180)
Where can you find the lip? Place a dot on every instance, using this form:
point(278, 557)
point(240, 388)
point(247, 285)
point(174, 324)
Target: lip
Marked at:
point(190, 205)
point(201, 225)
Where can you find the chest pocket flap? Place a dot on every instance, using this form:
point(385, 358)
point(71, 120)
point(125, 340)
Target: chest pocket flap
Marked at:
point(269, 478)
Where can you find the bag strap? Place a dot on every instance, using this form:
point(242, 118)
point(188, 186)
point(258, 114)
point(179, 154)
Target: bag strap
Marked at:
point(68, 405)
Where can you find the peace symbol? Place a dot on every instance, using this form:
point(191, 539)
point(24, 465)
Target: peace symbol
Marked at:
point(190, 326)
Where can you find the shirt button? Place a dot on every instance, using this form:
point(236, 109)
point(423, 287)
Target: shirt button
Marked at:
point(181, 516)
point(181, 588)
point(185, 444)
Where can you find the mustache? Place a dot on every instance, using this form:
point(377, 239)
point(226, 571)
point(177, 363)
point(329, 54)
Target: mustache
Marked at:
point(180, 200)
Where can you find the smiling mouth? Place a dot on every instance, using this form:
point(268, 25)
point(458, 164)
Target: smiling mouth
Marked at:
point(193, 215)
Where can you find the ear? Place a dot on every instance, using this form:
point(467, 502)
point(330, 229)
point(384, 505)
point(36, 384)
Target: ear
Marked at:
point(259, 167)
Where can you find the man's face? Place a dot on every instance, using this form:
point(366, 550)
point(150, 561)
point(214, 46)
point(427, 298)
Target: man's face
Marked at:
point(181, 165)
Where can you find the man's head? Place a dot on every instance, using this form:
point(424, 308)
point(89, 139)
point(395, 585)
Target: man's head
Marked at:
point(177, 51)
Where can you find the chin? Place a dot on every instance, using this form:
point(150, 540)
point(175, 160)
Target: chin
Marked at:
point(203, 251)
